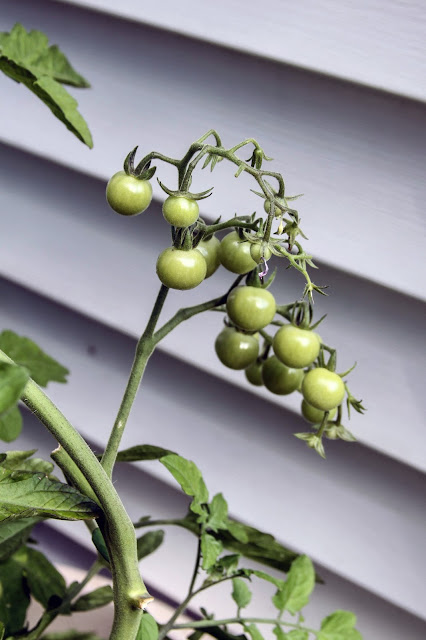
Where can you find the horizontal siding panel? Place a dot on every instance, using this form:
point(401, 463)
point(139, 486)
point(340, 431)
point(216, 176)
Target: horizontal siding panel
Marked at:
point(373, 42)
point(357, 155)
point(65, 243)
point(340, 508)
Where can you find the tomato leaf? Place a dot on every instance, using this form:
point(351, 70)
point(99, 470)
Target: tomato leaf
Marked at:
point(22, 461)
point(142, 452)
point(188, 476)
point(149, 543)
point(241, 593)
point(12, 383)
point(339, 626)
point(148, 628)
point(15, 597)
point(94, 600)
point(13, 535)
point(297, 588)
point(26, 58)
point(71, 634)
point(253, 631)
point(25, 496)
point(210, 550)
point(218, 517)
point(45, 582)
point(25, 352)
point(10, 424)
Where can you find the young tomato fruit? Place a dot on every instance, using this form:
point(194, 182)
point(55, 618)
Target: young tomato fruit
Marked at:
point(180, 211)
point(254, 373)
point(323, 389)
point(234, 254)
point(250, 308)
point(296, 347)
point(236, 350)
point(128, 195)
point(209, 249)
point(315, 416)
point(280, 379)
point(257, 252)
point(179, 269)
point(267, 207)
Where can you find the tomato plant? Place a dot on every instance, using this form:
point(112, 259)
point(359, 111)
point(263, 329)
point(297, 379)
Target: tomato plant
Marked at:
point(234, 254)
point(236, 350)
point(180, 211)
point(323, 389)
point(250, 308)
point(313, 415)
point(128, 195)
point(280, 379)
point(209, 249)
point(296, 347)
point(180, 269)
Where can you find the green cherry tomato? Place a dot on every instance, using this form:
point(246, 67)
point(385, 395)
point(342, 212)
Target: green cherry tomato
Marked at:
point(180, 211)
point(267, 207)
point(254, 374)
point(128, 195)
point(250, 308)
point(209, 249)
point(256, 252)
point(179, 269)
point(236, 350)
point(280, 379)
point(313, 415)
point(234, 254)
point(323, 389)
point(296, 347)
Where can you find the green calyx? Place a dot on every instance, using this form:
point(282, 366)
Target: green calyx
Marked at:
point(143, 171)
point(186, 194)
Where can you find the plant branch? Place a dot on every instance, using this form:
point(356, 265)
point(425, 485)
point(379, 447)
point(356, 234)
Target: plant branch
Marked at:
point(203, 624)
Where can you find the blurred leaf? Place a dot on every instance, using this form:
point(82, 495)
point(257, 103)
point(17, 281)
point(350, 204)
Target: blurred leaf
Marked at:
point(188, 476)
point(10, 424)
point(22, 461)
point(148, 628)
point(210, 549)
point(339, 626)
point(71, 634)
point(218, 518)
point(15, 597)
point(12, 383)
point(13, 535)
point(45, 582)
point(37, 495)
point(142, 452)
point(297, 588)
point(25, 352)
point(241, 593)
point(99, 542)
point(93, 600)
point(253, 631)
point(149, 543)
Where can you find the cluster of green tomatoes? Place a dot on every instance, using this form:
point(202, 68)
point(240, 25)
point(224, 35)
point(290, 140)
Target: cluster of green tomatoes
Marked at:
point(297, 363)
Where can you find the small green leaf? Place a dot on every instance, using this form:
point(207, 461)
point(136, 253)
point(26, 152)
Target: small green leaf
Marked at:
point(210, 550)
point(148, 628)
point(10, 424)
point(142, 452)
point(93, 600)
point(71, 634)
point(265, 576)
point(253, 631)
point(12, 383)
point(22, 461)
point(279, 633)
point(99, 542)
point(188, 475)
point(13, 535)
point(339, 626)
point(237, 531)
point(297, 588)
point(149, 543)
point(241, 593)
point(297, 634)
point(37, 495)
point(218, 518)
point(25, 352)
point(45, 582)
point(15, 597)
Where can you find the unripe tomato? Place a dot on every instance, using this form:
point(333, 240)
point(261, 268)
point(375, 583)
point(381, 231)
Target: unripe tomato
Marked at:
point(267, 206)
point(180, 211)
point(234, 254)
point(254, 374)
point(323, 389)
point(256, 252)
point(209, 249)
point(313, 415)
point(128, 195)
point(280, 379)
point(179, 269)
point(250, 308)
point(236, 350)
point(296, 347)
